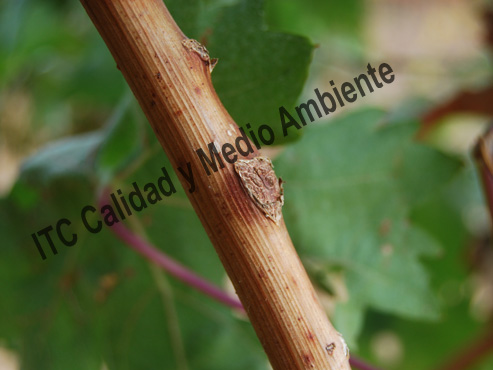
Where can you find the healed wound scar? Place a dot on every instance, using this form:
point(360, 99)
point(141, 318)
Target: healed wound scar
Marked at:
point(260, 182)
point(201, 50)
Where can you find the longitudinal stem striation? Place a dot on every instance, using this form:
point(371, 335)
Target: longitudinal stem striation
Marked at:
point(170, 77)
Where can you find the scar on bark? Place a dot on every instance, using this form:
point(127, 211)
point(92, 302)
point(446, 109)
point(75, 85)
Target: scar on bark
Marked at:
point(260, 182)
point(330, 348)
point(202, 52)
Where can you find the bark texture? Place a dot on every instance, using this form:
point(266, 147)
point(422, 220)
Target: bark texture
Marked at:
point(170, 77)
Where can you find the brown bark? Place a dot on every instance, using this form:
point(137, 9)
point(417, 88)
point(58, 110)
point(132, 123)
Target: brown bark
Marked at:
point(473, 102)
point(170, 77)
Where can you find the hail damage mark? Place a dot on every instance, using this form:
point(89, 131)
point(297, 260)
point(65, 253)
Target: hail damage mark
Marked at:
point(201, 51)
point(260, 182)
point(330, 348)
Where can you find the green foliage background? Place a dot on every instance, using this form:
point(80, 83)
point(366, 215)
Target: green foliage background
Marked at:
point(377, 218)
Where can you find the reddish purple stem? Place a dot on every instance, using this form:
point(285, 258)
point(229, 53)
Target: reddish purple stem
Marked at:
point(172, 267)
point(359, 364)
point(183, 274)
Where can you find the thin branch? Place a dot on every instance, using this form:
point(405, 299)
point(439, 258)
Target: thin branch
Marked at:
point(169, 75)
point(174, 268)
point(472, 354)
point(474, 102)
point(360, 364)
point(171, 316)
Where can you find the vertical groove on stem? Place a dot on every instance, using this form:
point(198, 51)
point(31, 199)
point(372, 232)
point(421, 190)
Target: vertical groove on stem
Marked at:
point(154, 255)
point(143, 247)
point(173, 86)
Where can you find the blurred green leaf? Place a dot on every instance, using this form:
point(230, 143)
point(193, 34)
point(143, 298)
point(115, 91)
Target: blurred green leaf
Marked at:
point(316, 18)
point(66, 157)
point(364, 203)
point(98, 300)
point(123, 139)
point(449, 280)
point(350, 188)
point(258, 70)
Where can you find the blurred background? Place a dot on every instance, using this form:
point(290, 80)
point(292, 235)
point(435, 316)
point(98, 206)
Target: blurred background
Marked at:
point(59, 84)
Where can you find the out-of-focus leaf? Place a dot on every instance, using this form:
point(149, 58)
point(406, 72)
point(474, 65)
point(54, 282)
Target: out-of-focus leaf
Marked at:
point(55, 60)
point(66, 157)
point(97, 155)
point(186, 15)
point(316, 18)
point(98, 300)
point(123, 139)
point(361, 201)
point(474, 102)
point(258, 70)
point(448, 279)
point(350, 188)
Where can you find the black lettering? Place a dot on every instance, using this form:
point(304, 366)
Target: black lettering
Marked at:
point(166, 178)
point(347, 89)
point(305, 106)
point(46, 233)
point(210, 161)
point(368, 84)
point(321, 99)
point(245, 139)
point(117, 205)
point(384, 74)
point(137, 193)
point(110, 216)
point(124, 202)
point(40, 249)
point(59, 224)
point(99, 225)
point(254, 138)
point(292, 122)
point(228, 150)
point(188, 176)
point(339, 99)
point(153, 196)
point(261, 130)
point(371, 72)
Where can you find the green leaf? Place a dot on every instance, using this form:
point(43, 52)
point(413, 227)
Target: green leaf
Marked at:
point(442, 219)
point(364, 203)
point(65, 157)
point(317, 18)
point(258, 70)
point(186, 15)
point(350, 189)
point(99, 300)
point(122, 139)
